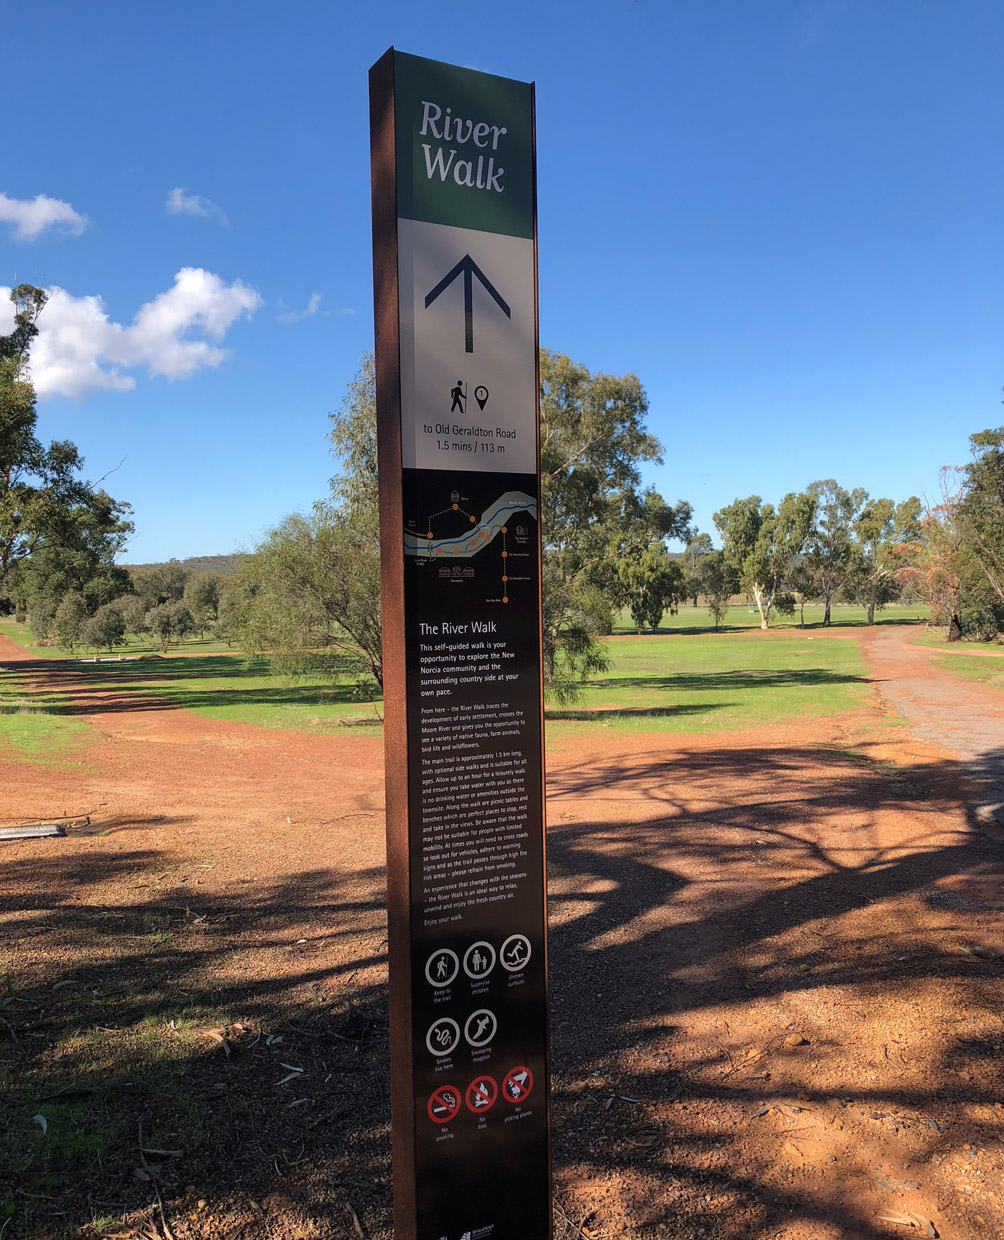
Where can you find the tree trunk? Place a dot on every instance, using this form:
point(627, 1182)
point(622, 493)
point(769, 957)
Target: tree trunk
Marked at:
point(801, 614)
point(759, 606)
point(826, 613)
point(871, 613)
point(955, 628)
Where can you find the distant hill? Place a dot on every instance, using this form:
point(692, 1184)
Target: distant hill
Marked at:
point(225, 565)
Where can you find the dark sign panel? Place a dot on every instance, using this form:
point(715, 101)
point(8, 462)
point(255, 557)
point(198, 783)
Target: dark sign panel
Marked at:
point(455, 270)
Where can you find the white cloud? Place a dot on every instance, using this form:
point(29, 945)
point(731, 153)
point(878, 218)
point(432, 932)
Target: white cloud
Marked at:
point(80, 350)
point(180, 203)
point(32, 216)
point(294, 316)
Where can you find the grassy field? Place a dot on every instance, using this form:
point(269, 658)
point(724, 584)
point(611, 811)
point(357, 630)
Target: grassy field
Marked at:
point(703, 683)
point(706, 682)
point(226, 687)
point(713, 682)
point(938, 637)
point(739, 618)
point(988, 669)
point(33, 724)
point(24, 637)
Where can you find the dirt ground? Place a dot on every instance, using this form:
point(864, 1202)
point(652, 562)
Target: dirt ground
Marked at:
point(776, 968)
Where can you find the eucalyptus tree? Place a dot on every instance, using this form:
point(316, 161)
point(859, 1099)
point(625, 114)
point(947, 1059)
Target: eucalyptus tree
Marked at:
point(313, 584)
point(69, 620)
point(887, 536)
point(698, 548)
point(762, 543)
point(45, 507)
point(652, 583)
point(981, 506)
point(829, 552)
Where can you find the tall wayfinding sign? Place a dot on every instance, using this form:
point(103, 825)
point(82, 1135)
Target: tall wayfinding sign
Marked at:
point(454, 224)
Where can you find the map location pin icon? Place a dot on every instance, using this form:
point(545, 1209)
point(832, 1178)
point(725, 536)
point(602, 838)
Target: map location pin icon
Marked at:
point(481, 396)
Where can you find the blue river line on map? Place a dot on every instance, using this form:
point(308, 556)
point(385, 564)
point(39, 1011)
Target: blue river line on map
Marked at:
point(480, 536)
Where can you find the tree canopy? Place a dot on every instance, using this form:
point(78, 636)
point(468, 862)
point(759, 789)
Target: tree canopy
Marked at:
point(312, 585)
point(57, 532)
point(762, 543)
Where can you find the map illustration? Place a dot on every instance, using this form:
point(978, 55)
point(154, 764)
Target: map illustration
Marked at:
point(481, 534)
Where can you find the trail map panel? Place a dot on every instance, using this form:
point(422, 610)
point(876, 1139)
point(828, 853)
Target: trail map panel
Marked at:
point(455, 272)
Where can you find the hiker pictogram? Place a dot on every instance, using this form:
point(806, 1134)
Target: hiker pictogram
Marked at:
point(459, 398)
point(442, 967)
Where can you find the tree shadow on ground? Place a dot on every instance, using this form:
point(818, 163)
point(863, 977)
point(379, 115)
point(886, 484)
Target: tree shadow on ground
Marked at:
point(156, 685)
point(247, 1028)
point(598, 713)
point(736, 678)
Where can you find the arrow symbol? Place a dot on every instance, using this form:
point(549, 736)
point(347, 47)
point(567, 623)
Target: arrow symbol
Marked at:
point(470, 269)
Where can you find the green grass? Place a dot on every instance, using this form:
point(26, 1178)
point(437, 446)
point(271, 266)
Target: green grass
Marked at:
point(103, 1064)
point(679, 683)
point(988, 670)
point(33, 727)
point(678, 680)
point(23, 636)
point(739, 618)
point(938, 638)
point(224, 687)
point(716, 682)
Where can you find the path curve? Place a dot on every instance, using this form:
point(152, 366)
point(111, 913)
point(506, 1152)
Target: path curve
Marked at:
point(960, 715)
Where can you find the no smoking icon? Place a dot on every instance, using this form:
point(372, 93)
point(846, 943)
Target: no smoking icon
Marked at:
point(444, 1104)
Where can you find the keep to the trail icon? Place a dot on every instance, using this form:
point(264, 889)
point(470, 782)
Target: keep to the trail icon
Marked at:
point(442, 967)
point(517, 1085)
point(444, 1104)
point(482, 1094)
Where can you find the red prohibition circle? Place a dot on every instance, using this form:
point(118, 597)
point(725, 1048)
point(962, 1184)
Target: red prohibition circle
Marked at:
point(482, 1095)
point(444, 1104)
point(517, 1084)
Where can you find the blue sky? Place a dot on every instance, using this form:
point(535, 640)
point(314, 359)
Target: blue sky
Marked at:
point(785, 217)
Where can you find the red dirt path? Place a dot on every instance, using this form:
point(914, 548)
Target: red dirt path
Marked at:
point(776, 968)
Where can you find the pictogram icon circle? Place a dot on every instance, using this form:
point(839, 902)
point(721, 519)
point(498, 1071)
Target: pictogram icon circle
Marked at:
point(444, 1104)
point(517, 1084)
point(482, 1094)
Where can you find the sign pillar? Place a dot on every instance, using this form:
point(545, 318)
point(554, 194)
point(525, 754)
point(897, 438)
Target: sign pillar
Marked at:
point(455, 270)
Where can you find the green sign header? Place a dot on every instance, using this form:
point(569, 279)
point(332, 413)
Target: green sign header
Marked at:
point(464, 147)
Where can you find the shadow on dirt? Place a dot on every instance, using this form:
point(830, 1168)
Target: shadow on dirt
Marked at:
point(246, 1030)
point(162, 684)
